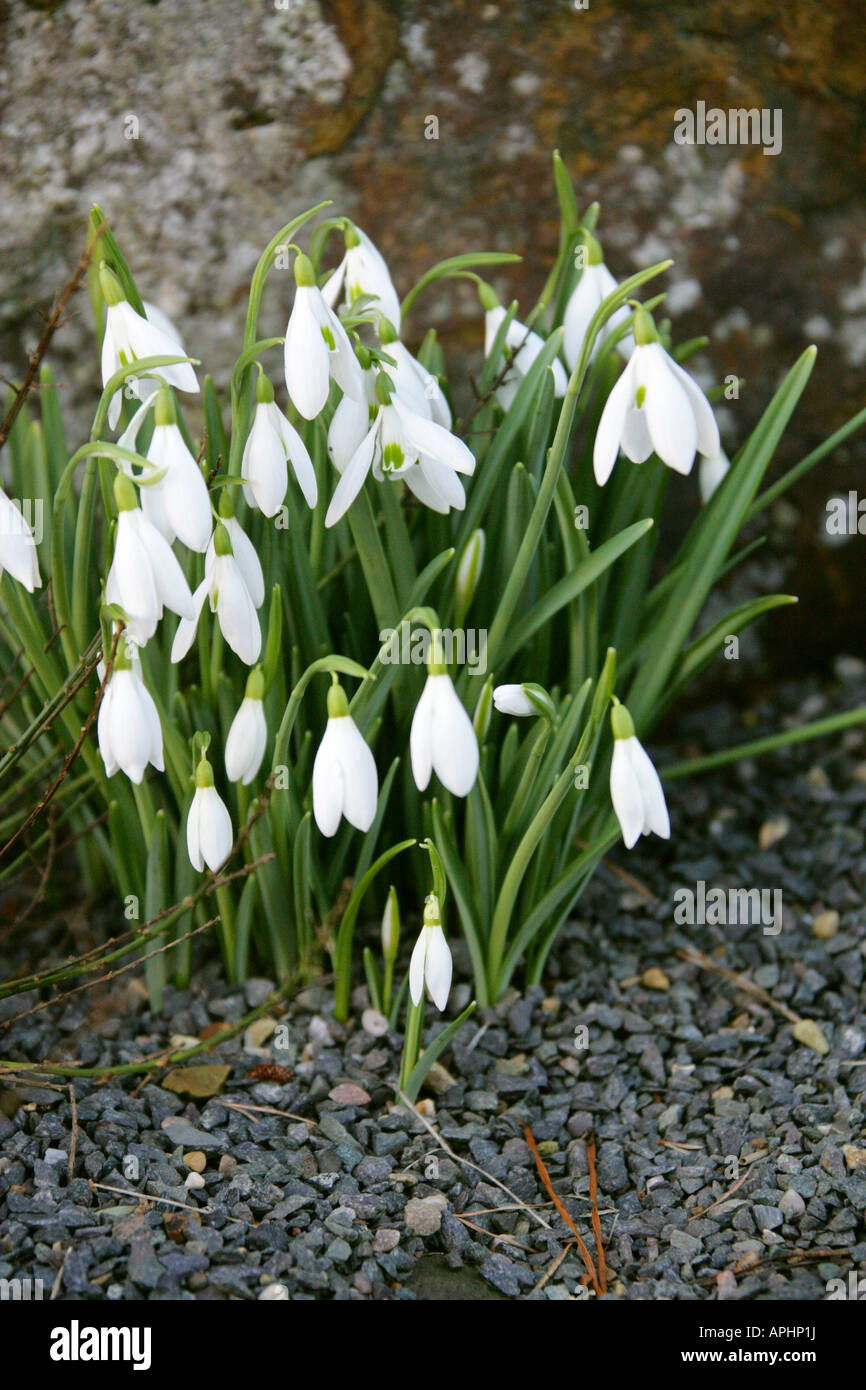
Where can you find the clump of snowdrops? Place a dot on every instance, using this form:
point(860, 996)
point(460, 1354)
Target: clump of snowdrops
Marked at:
point(335, 629)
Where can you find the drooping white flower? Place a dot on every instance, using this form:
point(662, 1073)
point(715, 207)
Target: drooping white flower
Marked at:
point(18, 554)
point(248, 735)
point(526, 699)
point(635, 786)
point(402, 444)
point(442, 738)
point(271, 441)
point(177, 504)
point(234, 584)
point(521, 348)
point(595, 285)
point(363, 271)
point(316, 348)
point(129, 338)
point(145, 575)
point(431, 963)
point(128, 729)
point(345, 780)
point(208, 825)
point(711, 473)
point(416, 387)
point(655, 406)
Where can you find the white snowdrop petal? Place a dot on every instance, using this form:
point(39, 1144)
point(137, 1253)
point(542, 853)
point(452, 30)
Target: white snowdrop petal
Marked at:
point(299, 458)
point(305, 356)
point(625, 794)
point(669, 414)
point(709, 443)
point(168, 577)
point(655, 811)
point(610, 426)
point(438, 967)
point(193, 820)
point(426, 437)
point(361, 780)
point(247, 561)
point(214, 828)
point(421, 736)
point(512, 699)
point(416, 968)
point(328, 783)
point(238, 620)
point(185, 635)
point(353, 477)
point(455, 746)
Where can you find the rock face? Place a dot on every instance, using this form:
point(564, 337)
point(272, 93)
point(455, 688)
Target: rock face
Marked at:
point(201, 127)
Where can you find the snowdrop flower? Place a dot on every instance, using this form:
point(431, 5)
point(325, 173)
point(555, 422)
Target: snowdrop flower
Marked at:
point(416, 387)
point(145, 575)
point(208, 825)
point(128, 337)
point(271, 441)
point(522, 700)
point(712, 472)
point(316, 348)
point(442, 738)
point(594, 286)
point(362, 271)
point(248, 735)
point(635, 788)
point(655, 406)
point(522, 346)
point(177, 504)
point(431, 959)
point(128, 729)
point(17, 546)
point(234, 584)
point(401, 443)
point(345, 781)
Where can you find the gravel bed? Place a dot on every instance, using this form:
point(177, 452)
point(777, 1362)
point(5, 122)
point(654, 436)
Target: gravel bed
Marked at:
point(731, 1156)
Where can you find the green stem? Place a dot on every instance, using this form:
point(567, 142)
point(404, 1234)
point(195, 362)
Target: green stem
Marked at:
point(411, 1040)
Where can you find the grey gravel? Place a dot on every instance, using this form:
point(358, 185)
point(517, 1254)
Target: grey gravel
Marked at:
point(722, 1146)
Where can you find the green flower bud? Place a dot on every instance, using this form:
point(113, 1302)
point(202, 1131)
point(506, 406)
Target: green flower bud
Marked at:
point(488, 296)
point(469, 573)
point(204, 773)
point(436, 665)
point(165, 411)
point(391, 926)
point(338, 705)
point(644, 327)
point(264, 390)
point(621, 722)
point(255, 686)
point(483, 711)
point(304, 271)
point(124, 493)
point(432, 911)
point(221, 541)
point(112, 290)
